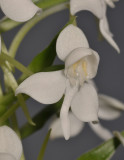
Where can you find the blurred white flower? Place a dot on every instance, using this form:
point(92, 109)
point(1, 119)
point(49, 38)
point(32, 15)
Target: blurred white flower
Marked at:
point(19, 10)
point(10, 144)
point(81, 64)
point(99, 9)
point(109, 109)
point(110, 3)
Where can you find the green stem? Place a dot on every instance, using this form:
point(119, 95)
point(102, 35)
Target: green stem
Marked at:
point(24, 108)
point(40, 119)
point(44, 145)
point(13, 84)
point(7, 24)
point(8, 113)
point(7, 99)
point(28, 26)
point(4, 50)
point(17, 64)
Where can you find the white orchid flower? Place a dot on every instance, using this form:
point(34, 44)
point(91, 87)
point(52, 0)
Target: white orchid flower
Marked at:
point(81, 65)
point(19, 10)
point(98, 8)
point(10, 144)
point(109, 109)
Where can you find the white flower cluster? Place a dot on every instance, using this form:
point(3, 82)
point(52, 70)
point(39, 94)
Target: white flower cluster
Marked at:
point(74, 82)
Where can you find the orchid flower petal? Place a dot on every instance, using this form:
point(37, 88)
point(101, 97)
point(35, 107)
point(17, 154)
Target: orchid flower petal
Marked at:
point(110, 108)
point(19, 10)
point(85, 103)
point(102, 132)
point(5, 156)
point(45, 87)
point(107, 34)
point(69, 39)
point(110, 3)
point(76, 127)
point(92, 59)
point(10, 143)
point(65, 122)
point(97, 7)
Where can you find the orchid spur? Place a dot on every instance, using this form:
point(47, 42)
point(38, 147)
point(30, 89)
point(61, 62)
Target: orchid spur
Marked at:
point(109, 109)
point(10, 144)
point(81, 64)
point(99, 9)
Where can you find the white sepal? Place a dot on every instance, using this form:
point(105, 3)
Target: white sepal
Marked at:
point(69, 39)
point(45, 87)
point(97, 7)
point(19, 10)
point(110, 3)
point(102, 132)
point(110, 108)
point(104, 29)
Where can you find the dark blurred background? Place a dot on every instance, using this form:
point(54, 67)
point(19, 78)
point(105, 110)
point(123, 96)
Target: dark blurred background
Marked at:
point(109, 80)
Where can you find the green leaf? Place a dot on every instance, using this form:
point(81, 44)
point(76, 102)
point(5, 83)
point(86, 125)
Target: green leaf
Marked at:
point(54, 68)
point(25, 109)
point(7, 99)
point(40, 119)
point(102, 152)
point(44, 4)
point(43, 59)
point(2, 111)
point(42, 152)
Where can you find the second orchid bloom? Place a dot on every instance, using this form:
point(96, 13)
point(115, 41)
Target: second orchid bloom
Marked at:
point(99, 9)
point(81, 64)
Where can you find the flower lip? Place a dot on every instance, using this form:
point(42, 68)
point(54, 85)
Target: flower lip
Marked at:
point(76, 55)
point(92, 60)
